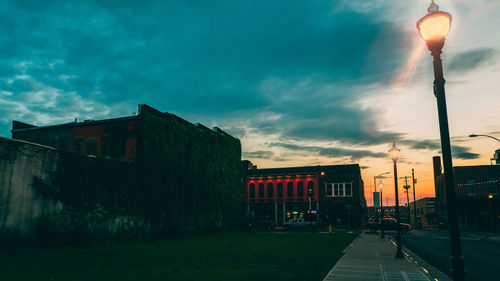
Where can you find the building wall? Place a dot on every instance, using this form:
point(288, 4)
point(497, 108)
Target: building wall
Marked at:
point(335, 210)
point(20, 162)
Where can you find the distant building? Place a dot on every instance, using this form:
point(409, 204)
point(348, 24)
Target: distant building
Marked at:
point(476, 192)
point(426, 212)
point(325, 194)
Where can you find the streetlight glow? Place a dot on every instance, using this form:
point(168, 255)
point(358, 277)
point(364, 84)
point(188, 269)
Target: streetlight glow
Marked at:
point(381, 186)
point(394, 152)
point(434, 25)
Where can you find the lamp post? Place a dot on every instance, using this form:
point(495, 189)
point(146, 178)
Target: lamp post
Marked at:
point(375, 185)
point(381, 186)
point(414, 180)
point(394, 153)
point(496, 156)
point(433, 28)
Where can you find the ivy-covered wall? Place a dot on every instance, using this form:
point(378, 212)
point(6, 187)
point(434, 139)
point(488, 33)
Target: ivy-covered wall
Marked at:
point(189, 175)
point(185, 178)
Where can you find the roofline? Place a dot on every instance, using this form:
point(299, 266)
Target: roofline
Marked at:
point(27, 142)
point(76, 124)
point(308, 167)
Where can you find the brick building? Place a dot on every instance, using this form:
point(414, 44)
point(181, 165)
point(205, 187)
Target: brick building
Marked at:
point(323, 194)
point(476, 192)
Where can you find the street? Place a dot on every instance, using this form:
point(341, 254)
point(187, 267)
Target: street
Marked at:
point(480, 257)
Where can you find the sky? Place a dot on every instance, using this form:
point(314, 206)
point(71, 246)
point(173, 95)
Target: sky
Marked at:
point(298, 82)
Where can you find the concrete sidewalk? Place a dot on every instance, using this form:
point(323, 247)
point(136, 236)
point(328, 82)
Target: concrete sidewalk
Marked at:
point(372, 258)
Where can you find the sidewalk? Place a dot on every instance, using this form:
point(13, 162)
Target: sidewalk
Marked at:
point(372, 258)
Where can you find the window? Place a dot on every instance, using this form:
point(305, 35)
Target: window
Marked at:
point(252, 190)
point(261, 190)
point(279, 188)
point(310, 189)
point(471, 188)
point(300, 189)
point(289, 189)
point(113, 147)
point(339, 189)
point(348, 189)
point(91, 147)
point(270, 191)
point(329, 191)
point(79, 144)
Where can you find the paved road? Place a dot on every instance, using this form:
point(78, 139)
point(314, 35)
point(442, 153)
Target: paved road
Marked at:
point(482, 259)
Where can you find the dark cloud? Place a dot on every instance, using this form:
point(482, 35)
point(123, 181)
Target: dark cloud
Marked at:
point(469, 60)
point(462, 152)
point(331, 152)
point(258, 154)
point(301, 61)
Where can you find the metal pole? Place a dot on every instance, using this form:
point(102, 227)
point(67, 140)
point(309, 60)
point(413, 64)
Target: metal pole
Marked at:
point(457, 260)
point(399, 250)
point(414, 201)
point(381, 216)
point(375, 185)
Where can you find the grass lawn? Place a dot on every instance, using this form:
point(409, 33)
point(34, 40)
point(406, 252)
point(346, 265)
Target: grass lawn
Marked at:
point(227, 256)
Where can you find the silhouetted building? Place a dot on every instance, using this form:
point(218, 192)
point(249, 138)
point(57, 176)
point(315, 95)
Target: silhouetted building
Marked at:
point(426, 212)
point(324, 194)
point(474, 186)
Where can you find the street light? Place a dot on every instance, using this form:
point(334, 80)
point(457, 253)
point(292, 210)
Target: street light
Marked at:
point(474, 135)
point(496, 156)
point(394, 153)
point(433, 28)
point(381, 186)
point(375, 184)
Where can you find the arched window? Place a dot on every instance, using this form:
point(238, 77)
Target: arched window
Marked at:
point(310, 189)
point(252, 190)
point(270, 191)
point(289, 189)
point(300, 189)
point(91, 147)
point(279, 190)
point(261, 190)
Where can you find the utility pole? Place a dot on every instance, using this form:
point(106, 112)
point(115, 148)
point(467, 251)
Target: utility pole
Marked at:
point(414, 180)
point(406, 187)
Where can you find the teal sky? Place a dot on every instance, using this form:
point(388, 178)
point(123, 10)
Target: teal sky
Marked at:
point(299, 82)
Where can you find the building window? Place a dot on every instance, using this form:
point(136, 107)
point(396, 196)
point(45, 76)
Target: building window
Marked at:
point(252, 190)
point(289, 189)
point(348, 189)
point(471, 188)
point(310, 189)
point(91, 147)
point(79, 144)
point(261, 190)
point(339, 189)
point(329, 190)
point(113, 146)
point(270, 191)
point(279, 190)
point(300, 189)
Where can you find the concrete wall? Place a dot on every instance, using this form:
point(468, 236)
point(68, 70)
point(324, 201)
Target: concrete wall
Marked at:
point(20, 161)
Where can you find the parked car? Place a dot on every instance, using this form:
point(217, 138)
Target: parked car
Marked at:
point(388, 224)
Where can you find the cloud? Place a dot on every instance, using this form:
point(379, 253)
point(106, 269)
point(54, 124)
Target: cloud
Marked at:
point(231, 62)
point(461, 152)
point(471, 59)
point(331, 152)
point(258, 154)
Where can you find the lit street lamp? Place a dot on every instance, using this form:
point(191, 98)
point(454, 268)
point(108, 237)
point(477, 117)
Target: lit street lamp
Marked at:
point(433, 28)
point(381, 186)
point(375, 184)
point(394, 153)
